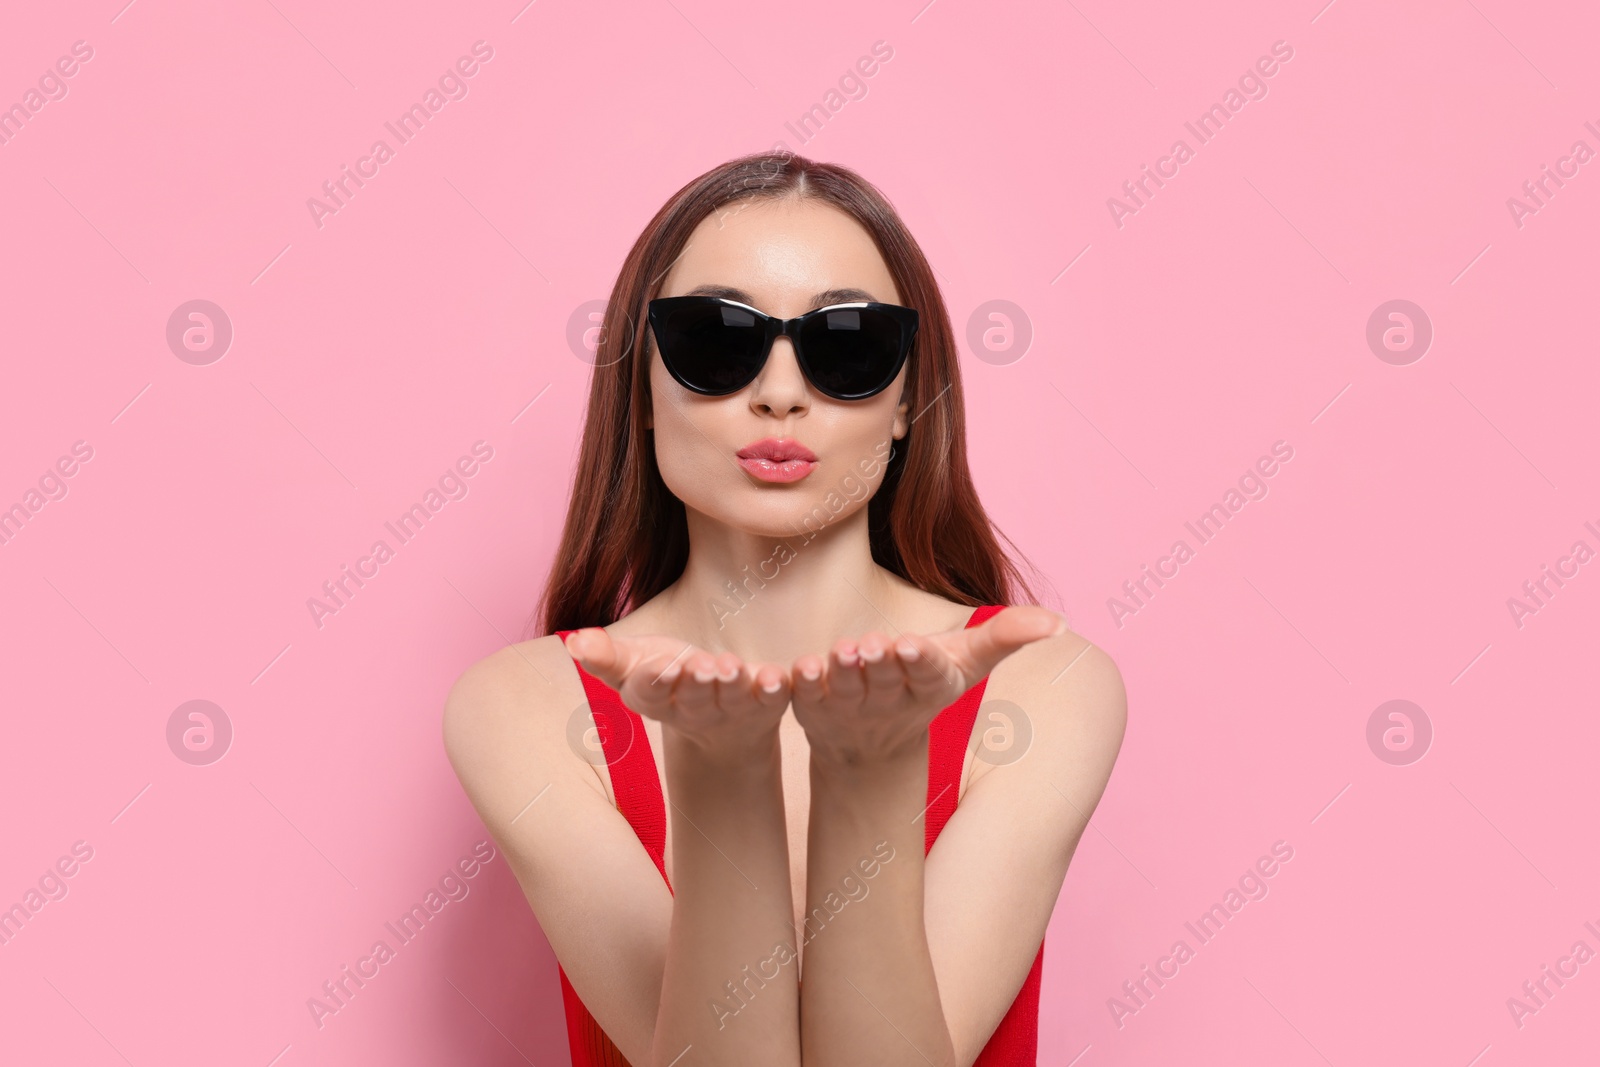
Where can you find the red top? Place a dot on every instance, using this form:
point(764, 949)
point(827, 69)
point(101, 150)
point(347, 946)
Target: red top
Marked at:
point(637, 786)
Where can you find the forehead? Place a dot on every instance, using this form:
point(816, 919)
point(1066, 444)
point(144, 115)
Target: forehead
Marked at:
point(784, 253)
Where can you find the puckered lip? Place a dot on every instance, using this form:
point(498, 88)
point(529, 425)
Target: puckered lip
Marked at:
point(777, 449)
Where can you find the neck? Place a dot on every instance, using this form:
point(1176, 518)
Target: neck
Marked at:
point(769, 599)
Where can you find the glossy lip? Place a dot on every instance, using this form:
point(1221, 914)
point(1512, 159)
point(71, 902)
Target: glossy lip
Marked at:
point(777, 459)
point(777, 449)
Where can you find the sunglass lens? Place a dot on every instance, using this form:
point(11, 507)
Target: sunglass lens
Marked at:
point(852, 350)
point(714, 348)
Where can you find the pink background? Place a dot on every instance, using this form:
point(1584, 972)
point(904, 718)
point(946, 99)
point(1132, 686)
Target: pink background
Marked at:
point(1168, 354)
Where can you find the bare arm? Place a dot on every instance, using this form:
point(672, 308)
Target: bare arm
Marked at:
point(870, 993)
point(698, 973)
point(996, 871)
point(598, 897)
point(726, 991)
point(921, 970)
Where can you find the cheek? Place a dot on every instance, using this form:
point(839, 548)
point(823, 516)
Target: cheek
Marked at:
point(683, 452)
point(677, 458)
point(865, 433)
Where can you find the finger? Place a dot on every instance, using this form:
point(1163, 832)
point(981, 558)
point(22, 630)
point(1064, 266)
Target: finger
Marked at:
point(985, 645)
point(697, 689)
point(664, 669)
point(596, 653)
point(885, 680)
point(651, 691)
point(644, 673)
point(806, 678)
point(843, 678)
point(614, 659)
point(927, 667)
point(649, 686)
point(735, 688)
point(745, 696)
point(770, 685)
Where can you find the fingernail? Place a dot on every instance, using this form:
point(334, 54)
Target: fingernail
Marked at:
point(810, 674)
point(773, 688)
point(907, 650)
point(703, 676)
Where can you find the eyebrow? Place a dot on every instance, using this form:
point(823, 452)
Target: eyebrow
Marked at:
point(822, 299)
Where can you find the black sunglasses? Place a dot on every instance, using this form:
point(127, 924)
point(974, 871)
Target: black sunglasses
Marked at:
point(715, 346)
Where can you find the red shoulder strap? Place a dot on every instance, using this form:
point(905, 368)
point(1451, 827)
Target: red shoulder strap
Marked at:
point(1015, 1040)
point(948, 736)
point(631, 765)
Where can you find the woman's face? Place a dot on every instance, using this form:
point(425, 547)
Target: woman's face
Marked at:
point(784, 257)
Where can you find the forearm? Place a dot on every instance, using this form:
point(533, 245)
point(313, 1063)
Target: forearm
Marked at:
point(727, 989)
point(869, 993)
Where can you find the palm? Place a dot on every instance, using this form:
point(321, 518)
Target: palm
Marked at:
point(715, 699)
point(873, 697)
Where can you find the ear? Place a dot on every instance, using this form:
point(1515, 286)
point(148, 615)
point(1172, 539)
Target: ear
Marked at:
point(900, 423)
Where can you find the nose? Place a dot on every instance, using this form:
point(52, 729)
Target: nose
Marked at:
point(780, 390)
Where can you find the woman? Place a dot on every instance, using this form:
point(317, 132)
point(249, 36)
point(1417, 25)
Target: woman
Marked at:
point(779, 603)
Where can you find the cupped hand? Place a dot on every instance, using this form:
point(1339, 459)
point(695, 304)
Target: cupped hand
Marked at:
point(873, 697)
point(720, 702)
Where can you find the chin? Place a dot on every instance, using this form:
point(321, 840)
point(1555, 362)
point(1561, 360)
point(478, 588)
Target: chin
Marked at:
point(778, 512)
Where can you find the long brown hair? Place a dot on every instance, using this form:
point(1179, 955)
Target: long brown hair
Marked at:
point(626, 536)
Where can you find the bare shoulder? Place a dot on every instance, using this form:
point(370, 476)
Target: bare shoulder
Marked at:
point(507, 716)
point(508, 688)
point(508, 724)
point(1072, 695)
